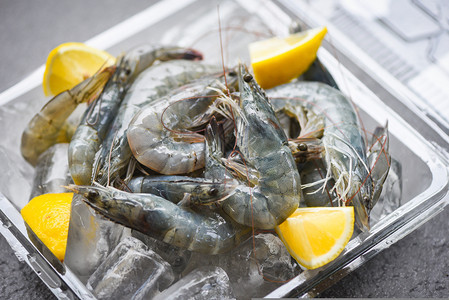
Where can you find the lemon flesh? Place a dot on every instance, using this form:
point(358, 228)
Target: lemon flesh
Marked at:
point(71, 63)
point(48, 217)
point(314, 236)
point(279, 60)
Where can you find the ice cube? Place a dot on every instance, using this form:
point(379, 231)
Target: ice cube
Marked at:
point(90, 239)
point(202, 283)
point(131, 269)
point(158, 281)
point(254, 270)
point(13, 182)
point(178, 258)
point(52, 171)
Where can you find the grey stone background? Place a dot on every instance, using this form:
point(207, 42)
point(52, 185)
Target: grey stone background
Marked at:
point(417, 266)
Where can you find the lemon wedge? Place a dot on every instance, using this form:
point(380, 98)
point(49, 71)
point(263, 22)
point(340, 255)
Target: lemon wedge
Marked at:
point(70, 63)
point(276, 61)
point(314, 236)
point(48, 216)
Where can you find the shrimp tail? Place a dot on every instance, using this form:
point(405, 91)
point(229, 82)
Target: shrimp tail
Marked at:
point(318, 72)
point(379, 161)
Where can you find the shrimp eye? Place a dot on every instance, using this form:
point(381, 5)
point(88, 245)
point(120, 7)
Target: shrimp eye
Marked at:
point(213, 192)
point(232, 73)
point(366, 199)
point(247, 77)
point(92, 195)
point(302, 147)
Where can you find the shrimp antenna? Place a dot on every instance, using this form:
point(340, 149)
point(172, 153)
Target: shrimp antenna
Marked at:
point(221, 49)
point(94, 93)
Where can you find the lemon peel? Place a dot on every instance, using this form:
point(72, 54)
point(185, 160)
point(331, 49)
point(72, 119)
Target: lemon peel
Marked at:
point(71, 63)
point(277, 60)
point(314, 236)
point(48, 216)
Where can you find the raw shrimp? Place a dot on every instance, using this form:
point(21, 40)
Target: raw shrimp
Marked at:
point(179, 188)
point(220, 169)
point(152, 84)
point(301, 126)
point(205, 231)
point(264, 147)
point(47, 125)
point(343, 143)
point(174, 150)
point(95, 123)
point(92, 129)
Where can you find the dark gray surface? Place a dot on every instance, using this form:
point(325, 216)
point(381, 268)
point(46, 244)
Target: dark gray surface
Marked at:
point(417, 266)
point(31, 29)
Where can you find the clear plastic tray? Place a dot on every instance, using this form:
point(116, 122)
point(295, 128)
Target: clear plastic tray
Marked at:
point(416, 141)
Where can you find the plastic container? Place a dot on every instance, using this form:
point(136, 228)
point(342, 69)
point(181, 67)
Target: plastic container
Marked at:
point(417, 141)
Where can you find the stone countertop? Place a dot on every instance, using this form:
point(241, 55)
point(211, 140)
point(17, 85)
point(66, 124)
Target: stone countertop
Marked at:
point(416, 266)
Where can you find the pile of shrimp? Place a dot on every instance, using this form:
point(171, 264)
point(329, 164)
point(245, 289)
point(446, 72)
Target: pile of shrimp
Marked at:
point(198, 155)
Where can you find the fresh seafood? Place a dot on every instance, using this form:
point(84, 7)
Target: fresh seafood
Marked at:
point(152, 84)
point(159, 134)
point(92, 129)
point(264, 147)
point(47, 125)
point(244, 160)
point(179, 188)
point(95, 124)
point(205, 231)
point(224, 170)
point(343, 142)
